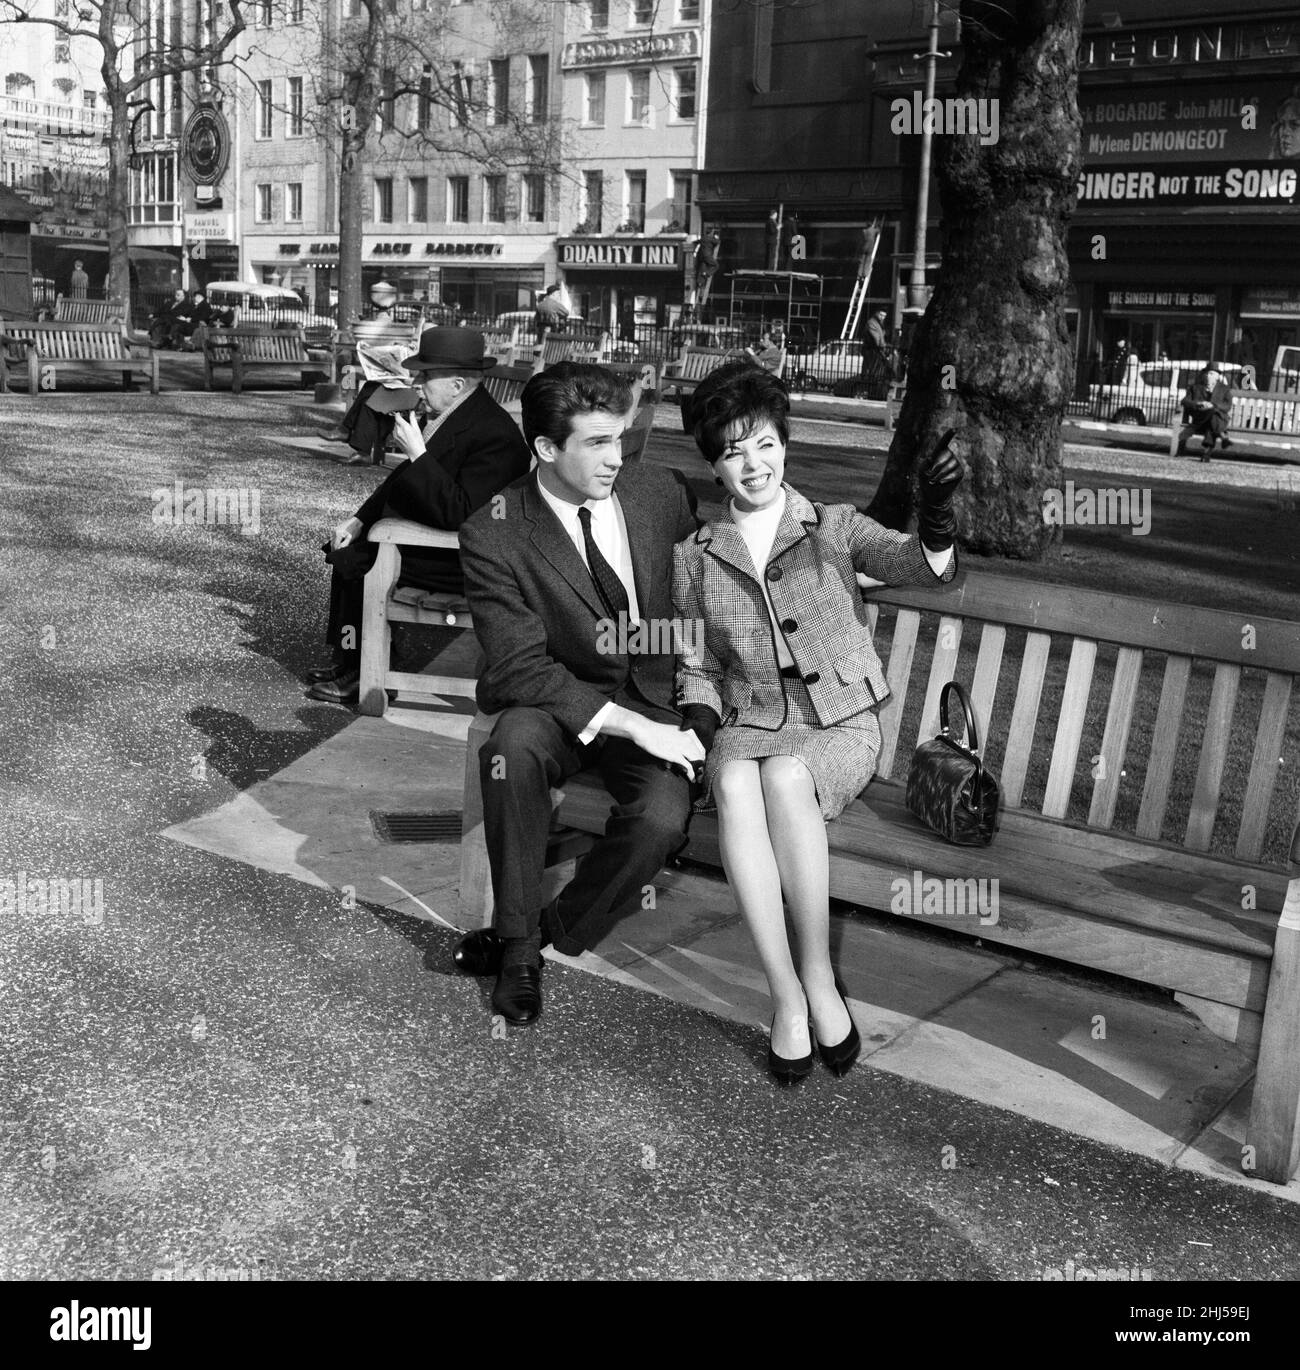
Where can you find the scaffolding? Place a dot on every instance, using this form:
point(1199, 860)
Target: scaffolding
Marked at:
point(764, 297)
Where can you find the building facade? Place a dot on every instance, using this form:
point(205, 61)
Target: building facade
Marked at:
point(633, 74)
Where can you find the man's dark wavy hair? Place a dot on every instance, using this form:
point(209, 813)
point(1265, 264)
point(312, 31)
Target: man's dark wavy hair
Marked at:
point(739, 394)
point(554, 397)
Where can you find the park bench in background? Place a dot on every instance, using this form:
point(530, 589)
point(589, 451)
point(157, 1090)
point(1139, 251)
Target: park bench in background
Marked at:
point(506, 383)
point(68, 310)
point(44, 349)
point(1252, 412)
point(1104, 857)
point(504, 345)
point(244, 346)
point(588, 346)
point(681, 377)
point(384, 605)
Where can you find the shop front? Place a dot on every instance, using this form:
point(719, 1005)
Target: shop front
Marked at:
point(1182, 245)
point(625, 284)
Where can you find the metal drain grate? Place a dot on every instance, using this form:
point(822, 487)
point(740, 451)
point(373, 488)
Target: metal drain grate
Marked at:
point(417, 827)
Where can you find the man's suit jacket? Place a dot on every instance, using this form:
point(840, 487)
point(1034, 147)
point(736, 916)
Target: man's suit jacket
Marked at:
point(810, 575)
point(475, 452)
point(536, 609)
point(1220, 397)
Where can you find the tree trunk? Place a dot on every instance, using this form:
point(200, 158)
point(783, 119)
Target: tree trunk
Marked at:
point(118, 285)
point(361, 87)
point(991, 356)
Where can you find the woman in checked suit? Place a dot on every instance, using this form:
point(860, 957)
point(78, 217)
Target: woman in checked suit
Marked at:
point(786, 673)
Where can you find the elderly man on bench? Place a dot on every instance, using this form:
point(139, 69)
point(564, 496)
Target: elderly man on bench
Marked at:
point(1206, 407)
point(469, 450)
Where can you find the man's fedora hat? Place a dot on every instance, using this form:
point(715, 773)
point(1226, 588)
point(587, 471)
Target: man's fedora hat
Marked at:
point(453, 350)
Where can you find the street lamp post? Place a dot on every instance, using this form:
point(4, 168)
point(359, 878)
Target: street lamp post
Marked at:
point(917, 291)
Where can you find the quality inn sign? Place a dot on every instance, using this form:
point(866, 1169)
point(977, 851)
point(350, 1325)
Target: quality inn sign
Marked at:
point(614, 253)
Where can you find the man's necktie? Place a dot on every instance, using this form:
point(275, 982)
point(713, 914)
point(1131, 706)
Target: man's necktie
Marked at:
point(613, 593)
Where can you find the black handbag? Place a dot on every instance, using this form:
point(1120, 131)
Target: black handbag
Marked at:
point(948, 787)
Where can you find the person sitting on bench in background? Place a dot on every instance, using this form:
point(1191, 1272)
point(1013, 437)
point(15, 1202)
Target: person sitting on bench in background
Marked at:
point(1206, 407)
point(472, 449)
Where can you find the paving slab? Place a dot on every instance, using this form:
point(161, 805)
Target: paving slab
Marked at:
point(938, 1011)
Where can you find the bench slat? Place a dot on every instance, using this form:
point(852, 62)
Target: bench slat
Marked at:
point(1263, 767)
point(1214, 753)
point(902, 647)
point(1024, 717)
point(1130, 621)
point(984, 687)
point(943, 667)
point(1069, 728)
point(1114, 742)
point(1160, 765)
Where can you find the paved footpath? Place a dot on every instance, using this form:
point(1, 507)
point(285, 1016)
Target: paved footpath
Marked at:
point(233, 1062)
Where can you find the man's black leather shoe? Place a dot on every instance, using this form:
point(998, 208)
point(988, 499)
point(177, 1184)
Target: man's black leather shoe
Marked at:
point(518, 994)
point(478, 953)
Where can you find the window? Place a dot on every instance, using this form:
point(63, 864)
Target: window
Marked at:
point(458, 199)
point(499, 90)
point(264, 110)
point(153, 190)
point(683, 194)
point(535, 198)
point(593, 111)
point(262, 14)
point(384, 199)
point(462, 89)
point(638, 97)
point(387, 99)
point(89, 99)
point(424, 102)
point(593, 196)
point(597, 14)
point(538, 88)
point(636, 201)
point(688, 11)
point(297, 11)
point(684, 92)
point(262, 203)
point(293, 101)
point(293, 202)
point(494, 199)
point(643, 11)
point(418, 200)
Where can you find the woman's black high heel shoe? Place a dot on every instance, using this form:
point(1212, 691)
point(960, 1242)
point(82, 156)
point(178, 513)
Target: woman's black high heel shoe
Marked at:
point(840, 1058)
point(789, 1070)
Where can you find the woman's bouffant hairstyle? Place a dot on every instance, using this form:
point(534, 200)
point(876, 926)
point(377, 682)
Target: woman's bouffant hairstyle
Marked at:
point(739, 396)
point(553, 397)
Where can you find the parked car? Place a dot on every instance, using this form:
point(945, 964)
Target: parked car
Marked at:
point(1152, 392)
point(837, 360)
point(1285, 376)
point(264, 304)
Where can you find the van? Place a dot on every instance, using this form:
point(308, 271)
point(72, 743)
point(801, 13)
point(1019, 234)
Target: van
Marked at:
point(263, 304)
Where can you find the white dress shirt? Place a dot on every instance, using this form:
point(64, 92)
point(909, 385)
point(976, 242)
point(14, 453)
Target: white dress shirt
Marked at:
point(609, 531)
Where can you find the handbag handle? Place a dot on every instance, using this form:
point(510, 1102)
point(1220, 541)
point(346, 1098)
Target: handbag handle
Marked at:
point(972, 737)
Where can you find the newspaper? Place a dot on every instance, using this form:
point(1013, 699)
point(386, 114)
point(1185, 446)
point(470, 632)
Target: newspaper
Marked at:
point(384, 363)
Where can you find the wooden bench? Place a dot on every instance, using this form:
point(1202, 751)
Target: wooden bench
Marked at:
point(506, 383)
point(681, 377)
point(504, 345)
point(1252, 412)
point(589, 346)
point(1122, 848)
point(384, 604)
point(68, 310)
point(244, 346)
point(47, 348)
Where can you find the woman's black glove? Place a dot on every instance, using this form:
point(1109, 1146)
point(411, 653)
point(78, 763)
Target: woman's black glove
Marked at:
point(702, 721)
point(940, 476)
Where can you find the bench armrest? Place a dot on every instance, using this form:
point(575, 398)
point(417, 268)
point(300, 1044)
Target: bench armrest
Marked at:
point(411, 534)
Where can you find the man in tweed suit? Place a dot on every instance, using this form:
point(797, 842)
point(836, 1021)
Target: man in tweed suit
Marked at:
point(549, 565)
